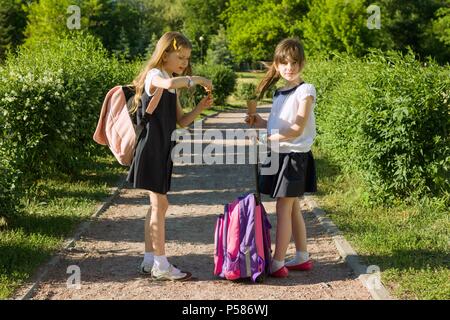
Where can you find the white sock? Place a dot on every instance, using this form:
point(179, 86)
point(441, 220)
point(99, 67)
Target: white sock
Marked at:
point(277, 265)
point(300, 257)
point(149, 257)
point(161, 262)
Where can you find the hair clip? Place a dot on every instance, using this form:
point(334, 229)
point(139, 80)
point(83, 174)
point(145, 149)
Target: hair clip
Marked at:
point(175, 44)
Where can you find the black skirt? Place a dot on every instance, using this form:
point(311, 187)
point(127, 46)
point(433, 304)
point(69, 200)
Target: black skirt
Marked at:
point(296, 175)
point(152, 165)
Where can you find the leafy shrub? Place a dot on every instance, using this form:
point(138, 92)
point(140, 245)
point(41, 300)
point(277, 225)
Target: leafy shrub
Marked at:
point(50, 99)
point(222, 77)
point(246, 91)
point(386, 117)
point(50, 96)
point(9, 191)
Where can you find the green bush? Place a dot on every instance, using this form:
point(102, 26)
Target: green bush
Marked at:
point(9, 191)
point(50, 99)
point(246, 91)
point(386, 117)
point(223, 79)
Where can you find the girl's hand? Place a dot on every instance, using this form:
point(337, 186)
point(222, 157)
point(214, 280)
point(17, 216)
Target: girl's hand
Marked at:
point(207, 84)
point(254, 120)
point(250, 119)
point(206, 102)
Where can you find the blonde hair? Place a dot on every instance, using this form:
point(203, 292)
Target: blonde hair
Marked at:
point(288, 48)
point(168, 43)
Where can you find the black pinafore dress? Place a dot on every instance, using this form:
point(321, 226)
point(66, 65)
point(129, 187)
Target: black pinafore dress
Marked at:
point(296, 174)
point(152, 164)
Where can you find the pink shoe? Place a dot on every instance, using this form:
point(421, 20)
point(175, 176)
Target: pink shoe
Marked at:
point(280, 273)
point(305, 266)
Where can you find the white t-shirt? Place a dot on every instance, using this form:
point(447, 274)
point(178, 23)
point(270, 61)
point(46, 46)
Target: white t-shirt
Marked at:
point(284, 113)
point(149, 78)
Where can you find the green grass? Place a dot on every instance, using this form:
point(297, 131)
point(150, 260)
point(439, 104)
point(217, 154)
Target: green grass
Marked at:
point(52, 210)
point(246, 77)
point(409, 242)
point(251, 75)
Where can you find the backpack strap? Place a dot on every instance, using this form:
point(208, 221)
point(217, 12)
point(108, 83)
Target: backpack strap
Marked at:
point(256, 170)
point(129, 92)
point(154, 101)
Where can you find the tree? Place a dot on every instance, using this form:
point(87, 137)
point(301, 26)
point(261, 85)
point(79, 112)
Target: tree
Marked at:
point(419, 24)
point(123, 45)
point(441, 25)
point(255, 27)
point(121, 25)
point(134, 21)
point(201, 18)
point(218, 52)
point(151, 46)
point(438, 41)
point(47, 18)
point(341, 26)
point(13, 20)
point(171, 13)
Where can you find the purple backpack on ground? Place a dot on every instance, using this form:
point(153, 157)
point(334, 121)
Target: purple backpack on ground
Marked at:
point(242, 240)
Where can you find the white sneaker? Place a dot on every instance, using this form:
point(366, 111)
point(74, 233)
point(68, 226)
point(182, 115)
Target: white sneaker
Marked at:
point(171, 273)
point(146, 268)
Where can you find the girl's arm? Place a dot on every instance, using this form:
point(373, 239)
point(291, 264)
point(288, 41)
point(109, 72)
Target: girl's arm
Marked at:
point(183, 119)
point(298, 127)
point(178, 82)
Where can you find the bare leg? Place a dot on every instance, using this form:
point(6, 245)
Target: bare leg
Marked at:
point(148, 234)
point(298, 227)
point(284, 227)
point(159, 208)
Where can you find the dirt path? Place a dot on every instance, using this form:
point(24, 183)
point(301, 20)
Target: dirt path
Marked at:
point(109, 253)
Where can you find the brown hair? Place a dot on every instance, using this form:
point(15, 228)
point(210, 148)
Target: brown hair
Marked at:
point(168, 43)
point(288, 48)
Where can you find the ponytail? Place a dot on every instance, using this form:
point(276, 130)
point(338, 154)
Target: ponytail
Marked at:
point(272, 76)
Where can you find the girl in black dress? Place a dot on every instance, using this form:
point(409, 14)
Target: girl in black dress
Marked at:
point(157, 103)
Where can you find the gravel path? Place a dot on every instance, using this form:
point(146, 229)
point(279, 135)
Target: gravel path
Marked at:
point(109, 252)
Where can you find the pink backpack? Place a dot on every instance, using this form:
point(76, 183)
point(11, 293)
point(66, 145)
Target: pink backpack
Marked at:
point(242, 240)
point(116, 127)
